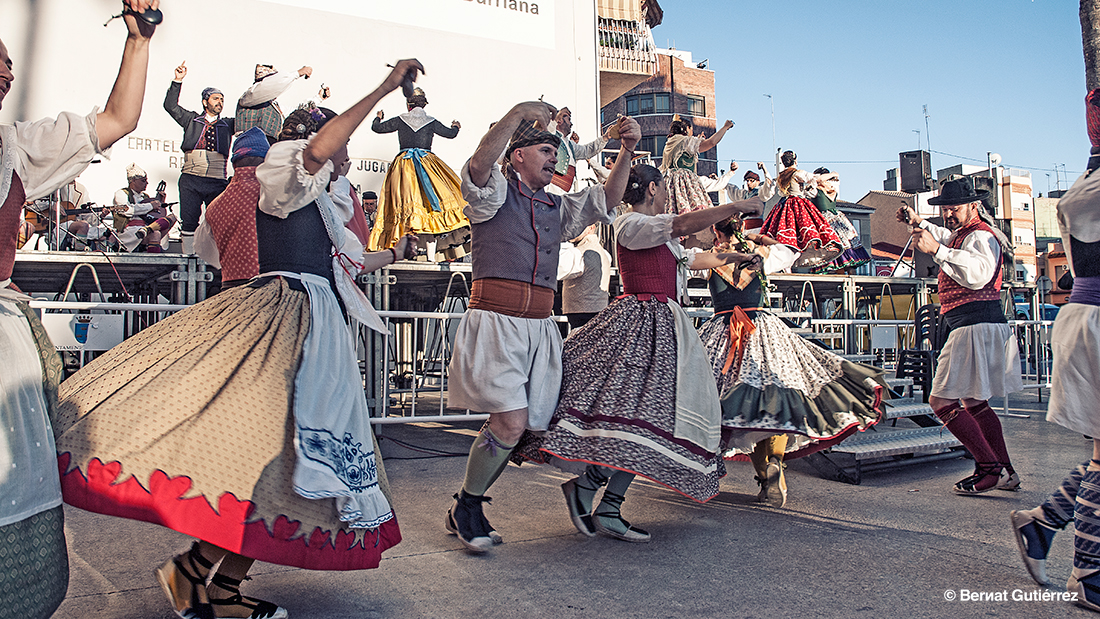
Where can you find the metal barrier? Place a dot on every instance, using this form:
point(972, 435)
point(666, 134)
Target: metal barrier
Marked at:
point(407, 383)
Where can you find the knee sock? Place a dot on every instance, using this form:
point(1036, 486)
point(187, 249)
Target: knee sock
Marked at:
point(990, 426)
point(1086, 521)
point(594, 478)
point(759, 457)
point(1057, 510)
point(963, 426)
point(488, 458)
point(777, 446)
point(616, 490)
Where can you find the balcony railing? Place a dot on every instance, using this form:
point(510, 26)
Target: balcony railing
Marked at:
point(626, 47)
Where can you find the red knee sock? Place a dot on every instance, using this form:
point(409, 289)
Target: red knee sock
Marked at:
point(969, 433)
point(990, 426)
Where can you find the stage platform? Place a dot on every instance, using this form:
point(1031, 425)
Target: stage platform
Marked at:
point(179, 278)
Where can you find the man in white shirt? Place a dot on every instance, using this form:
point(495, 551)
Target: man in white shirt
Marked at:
point(257, 107)
point(569, 152)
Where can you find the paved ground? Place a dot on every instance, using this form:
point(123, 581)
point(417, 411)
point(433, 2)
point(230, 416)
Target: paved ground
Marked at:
point(895, 546)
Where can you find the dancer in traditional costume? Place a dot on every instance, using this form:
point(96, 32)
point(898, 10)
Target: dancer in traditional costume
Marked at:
point(37, 158)
point(507, 353)
point(266, 452)
point(637, 397)
point(782, 397)
point(1075, 390)
point(981, 358)
point(796, 222)
point(854, 254)
point(420, 194)
point(678, 161)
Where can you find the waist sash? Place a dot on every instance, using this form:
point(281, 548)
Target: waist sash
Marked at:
point(511, 298)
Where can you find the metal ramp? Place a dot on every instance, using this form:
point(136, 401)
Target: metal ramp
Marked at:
point(908, 433)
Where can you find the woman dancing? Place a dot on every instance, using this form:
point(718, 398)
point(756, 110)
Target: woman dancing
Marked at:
point(854, 254)
point(421, 194)
point(1074, 392)
point(678, 161)
point(636, 394)
point(266, 452)
point(781, 395)
point(796, 222)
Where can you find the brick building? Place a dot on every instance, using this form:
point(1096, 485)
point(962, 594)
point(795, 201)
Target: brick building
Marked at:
point(681, 87)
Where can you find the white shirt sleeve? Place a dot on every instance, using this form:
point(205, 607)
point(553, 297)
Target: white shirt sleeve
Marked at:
point(589, 150)
point(766, 189)
point(583, 208)
point(267, 89)
point(285, 185)
point(974, 264)
point(637, 231)
point(482, 203)
point(570, 261)
point(50, 152)
point(939, 233)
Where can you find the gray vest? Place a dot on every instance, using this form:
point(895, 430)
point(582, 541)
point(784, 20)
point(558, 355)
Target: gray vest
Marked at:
point(521, 241)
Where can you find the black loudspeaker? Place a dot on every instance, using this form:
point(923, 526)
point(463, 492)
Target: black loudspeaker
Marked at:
point(985, 183)
point(916, 171)
point(923, 264)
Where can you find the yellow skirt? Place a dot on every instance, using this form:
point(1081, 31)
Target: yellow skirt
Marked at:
point(403, 206)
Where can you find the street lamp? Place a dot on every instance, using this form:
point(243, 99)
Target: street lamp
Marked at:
point(772, 101)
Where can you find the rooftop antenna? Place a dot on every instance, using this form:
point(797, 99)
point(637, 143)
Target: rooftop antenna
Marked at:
point(927, 133)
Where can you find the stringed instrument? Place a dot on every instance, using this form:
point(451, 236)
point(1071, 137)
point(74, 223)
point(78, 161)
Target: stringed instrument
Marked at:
point(42, 221)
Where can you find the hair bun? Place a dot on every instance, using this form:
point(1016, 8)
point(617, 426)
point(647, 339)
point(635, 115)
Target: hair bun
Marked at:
point(634, 185)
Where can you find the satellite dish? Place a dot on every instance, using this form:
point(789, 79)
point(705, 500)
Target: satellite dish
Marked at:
point(995, 159)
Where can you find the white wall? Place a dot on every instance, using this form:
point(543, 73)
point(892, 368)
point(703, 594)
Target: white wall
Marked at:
point(481, 58)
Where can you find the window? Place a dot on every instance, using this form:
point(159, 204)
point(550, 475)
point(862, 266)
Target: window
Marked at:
point(662, 103)
point(649, 103)
point(654, 144)
point(1025, 206)
point(697, 106)
point(632, 106)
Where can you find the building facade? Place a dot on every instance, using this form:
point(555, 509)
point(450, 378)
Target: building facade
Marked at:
point(679, 86)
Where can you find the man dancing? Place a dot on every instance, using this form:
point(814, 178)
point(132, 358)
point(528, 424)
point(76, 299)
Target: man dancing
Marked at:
point(507, 359)
point(980, 359)
point(37, 158)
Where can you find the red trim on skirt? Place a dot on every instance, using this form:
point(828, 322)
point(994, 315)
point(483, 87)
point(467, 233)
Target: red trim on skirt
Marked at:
point(228, 527)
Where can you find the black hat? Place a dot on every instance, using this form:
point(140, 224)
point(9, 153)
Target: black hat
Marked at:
point(958, 191)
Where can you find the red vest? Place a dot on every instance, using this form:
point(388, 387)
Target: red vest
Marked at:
point(10, 207)
point(648, 271)
point(953, 294)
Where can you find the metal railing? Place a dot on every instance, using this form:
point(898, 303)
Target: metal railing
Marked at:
point(408, 381)
point(626, 47)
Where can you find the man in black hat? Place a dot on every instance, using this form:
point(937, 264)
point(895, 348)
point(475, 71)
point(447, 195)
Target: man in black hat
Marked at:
point(980, 358)
point(507, 359)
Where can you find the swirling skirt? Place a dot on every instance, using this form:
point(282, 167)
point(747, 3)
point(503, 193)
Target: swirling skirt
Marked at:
point(189, 424)
point(799, 224)
point(618, 402)
point(404, 205)
point(685, 192)
point(783, 384)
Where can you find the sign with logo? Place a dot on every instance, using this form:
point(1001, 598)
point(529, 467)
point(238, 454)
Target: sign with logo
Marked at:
point(79, 332)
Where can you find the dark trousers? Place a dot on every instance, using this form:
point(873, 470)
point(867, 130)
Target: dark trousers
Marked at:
point(194, 192)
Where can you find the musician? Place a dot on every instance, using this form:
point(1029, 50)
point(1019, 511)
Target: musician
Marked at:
point(138, 218)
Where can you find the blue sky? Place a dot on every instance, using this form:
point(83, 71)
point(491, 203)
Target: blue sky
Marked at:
point(849, 80)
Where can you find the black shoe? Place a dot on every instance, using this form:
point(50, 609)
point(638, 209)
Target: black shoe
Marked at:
point(582, 519)
point(469, 523)
point(142, 232)
point(452, 528)
point(1086, 584)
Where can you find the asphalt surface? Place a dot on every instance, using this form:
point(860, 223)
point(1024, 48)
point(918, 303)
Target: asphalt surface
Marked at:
point(899, 545)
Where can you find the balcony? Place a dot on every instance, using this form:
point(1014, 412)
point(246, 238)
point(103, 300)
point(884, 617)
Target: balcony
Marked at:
point(627, 53)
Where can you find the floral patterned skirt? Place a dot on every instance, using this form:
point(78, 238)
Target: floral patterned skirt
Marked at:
point(685, 192)
point(783, 384)
point(618, 402)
